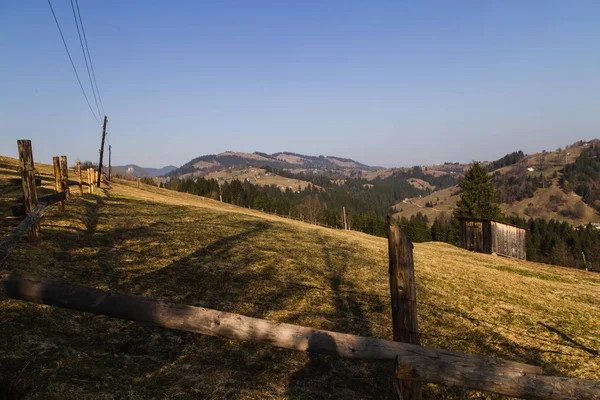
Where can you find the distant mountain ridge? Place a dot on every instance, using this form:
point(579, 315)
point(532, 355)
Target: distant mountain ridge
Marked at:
point(282, 160)
point(136, 170)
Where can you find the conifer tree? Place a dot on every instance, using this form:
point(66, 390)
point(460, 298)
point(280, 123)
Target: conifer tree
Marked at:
point(478, 198)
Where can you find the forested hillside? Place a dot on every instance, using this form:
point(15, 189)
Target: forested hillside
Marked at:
point(583, 176)
point(527, 187)
point(507, 160)
point(367, 202)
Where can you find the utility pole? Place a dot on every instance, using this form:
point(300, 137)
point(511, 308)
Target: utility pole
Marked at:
point(109, 162)
point(102, 151)
point(344, 218)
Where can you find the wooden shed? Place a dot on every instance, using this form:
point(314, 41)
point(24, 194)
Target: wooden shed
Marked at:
point(487, 236)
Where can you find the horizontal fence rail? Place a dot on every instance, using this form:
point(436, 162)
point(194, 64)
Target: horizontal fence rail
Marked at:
point(414, 362)
point(9, 243)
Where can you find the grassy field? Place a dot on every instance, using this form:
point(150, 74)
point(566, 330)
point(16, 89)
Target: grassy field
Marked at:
point(443, 201)
point(172, 246)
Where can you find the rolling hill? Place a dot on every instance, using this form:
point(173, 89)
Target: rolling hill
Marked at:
point(184, 248)
point(140, 172)
point(516, 183)
point(203, 165)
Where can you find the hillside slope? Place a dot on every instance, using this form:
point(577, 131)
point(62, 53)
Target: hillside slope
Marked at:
point(187, 249)
point(201, 166)
point(549, 200)
point(140, 172)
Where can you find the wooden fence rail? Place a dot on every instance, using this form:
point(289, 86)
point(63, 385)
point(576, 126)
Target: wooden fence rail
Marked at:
point(18, 210)
point(414, 362)
point(32, 219)
point(18, 181)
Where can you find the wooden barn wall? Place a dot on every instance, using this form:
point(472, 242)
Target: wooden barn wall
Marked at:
point(508, 240)
point(476, 236)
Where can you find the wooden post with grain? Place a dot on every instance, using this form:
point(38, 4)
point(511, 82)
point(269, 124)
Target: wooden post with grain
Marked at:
point(88, 180)
point(58, 180)
point(28, 183)
point(109, 163)
point(64, 183)
point(99, 177)
point(79, 177)
point(92, 175)
point(404, 300)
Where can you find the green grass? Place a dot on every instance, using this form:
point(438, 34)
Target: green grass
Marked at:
point(185, 249)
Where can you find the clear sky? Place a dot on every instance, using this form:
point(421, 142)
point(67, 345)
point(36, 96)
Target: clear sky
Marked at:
point(393, 83)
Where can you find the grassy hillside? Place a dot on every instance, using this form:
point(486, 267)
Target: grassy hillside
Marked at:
point(183, 248)
point(548, 202)
point(444, 202)
point(258, 176)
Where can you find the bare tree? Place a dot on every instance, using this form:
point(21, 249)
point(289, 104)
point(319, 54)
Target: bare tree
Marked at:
point(312, 208)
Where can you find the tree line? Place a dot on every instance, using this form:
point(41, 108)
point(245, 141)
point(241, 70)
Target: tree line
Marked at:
point(583, 176)
point(549, 242)
point(367, 203)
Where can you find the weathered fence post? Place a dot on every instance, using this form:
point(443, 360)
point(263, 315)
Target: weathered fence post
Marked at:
point(92, 180)
point(109, 163)
point(99, 176)
point(58, 180)
point(65, 177)
point(404, 299)
point(28, 182)
point(79, 177)
point(87, 173)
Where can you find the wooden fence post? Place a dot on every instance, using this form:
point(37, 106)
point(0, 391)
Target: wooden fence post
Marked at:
point(65, 176)
point(99, 176)
point(91, 175)
point(109, 163)
point(28, 183)
point(58, 180)
point(404, 299)
point(79, 177)
point(88, 180)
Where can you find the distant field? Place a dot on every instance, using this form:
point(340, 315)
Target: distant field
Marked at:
point(442, 200)
point(420, 184)
point(257, 176)
point(549, 202)
point(187, 249)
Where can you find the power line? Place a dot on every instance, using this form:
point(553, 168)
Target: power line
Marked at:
point(85, 57)
point(89, 56)
point(72, 64)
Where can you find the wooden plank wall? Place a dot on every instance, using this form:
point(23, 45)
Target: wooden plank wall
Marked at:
point(509, 240)
point(476, 236)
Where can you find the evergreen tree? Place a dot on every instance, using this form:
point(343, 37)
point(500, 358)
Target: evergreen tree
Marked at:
point(478, 198)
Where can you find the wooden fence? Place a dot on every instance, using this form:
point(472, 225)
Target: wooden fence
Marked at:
point(414, 363)
point(32, 207)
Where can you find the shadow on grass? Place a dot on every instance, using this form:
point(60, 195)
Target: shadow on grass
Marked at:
point(217, 263)
point(570, 340)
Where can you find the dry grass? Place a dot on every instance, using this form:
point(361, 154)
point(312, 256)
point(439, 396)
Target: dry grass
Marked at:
point(256, 176)
point(181, 248)
point(443, 200)
point(542, 206)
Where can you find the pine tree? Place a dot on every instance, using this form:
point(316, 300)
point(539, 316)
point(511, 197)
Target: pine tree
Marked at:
point(478, 198)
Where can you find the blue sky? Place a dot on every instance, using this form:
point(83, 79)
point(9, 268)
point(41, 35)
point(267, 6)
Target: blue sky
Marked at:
point(393, 83)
